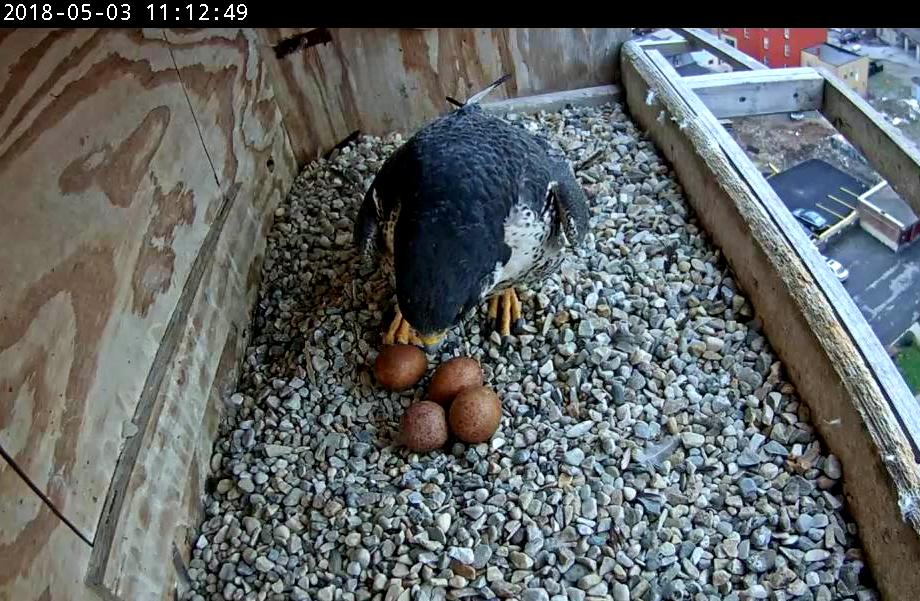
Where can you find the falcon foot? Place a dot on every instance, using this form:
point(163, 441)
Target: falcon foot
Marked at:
point(399, 332)
point(505, 313)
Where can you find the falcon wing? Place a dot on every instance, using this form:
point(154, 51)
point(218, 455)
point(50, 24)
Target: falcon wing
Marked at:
point(380, 200)
point(569, 204)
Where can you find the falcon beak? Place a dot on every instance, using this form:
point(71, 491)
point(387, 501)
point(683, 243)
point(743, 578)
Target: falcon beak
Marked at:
point(432, 341)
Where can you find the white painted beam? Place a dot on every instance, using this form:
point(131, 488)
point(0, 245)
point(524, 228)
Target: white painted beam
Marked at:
point(764, 92)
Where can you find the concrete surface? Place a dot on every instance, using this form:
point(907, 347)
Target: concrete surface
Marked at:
point(884, 285)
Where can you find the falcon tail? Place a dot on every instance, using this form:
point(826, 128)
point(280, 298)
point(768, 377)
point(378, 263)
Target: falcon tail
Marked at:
point(475, 98)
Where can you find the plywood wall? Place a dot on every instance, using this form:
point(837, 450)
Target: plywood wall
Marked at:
point(377, 80)
point(139, 170)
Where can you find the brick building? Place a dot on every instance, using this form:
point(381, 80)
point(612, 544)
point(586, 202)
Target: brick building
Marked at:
point(888, 218)
point(776, 46)
point(852, 68)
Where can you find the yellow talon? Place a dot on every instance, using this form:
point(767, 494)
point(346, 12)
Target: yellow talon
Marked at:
point(400, 332)
point(390, 336)
point(510, 311)
point(493, 308)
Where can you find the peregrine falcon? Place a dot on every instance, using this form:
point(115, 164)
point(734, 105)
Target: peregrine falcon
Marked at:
point(470, 207)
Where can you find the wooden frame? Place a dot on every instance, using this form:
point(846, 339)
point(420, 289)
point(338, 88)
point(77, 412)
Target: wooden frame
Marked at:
point(860, 404)
point(122, 474)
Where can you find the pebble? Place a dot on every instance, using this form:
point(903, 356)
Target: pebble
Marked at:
point(817, 555)
point(642, 448)
point(534, 594)
point(832, 467)
point(462, 554)
point(579, 430)
point(692, 439)
point(575, 457)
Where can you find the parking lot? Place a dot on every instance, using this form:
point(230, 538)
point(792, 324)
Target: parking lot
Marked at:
point(818, 186)
point(884, 285)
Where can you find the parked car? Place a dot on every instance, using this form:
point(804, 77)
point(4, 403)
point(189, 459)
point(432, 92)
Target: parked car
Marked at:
point(812, 219)
point(875, 67)
point(839, 270)
point(848, 37)
point(806, 229)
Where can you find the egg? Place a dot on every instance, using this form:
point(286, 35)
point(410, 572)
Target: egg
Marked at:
point(400, 366)
point(475, 414)
point(453, 377)
point(424, 427)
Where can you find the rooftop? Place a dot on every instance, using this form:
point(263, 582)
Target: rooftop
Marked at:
point(691, 69)
point(911, 32)
point(808, 182)
point(833, 55)
point(888, 201)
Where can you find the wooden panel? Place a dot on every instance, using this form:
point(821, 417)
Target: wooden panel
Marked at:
point(153, 504)
point(555, 101)
point(379, 80)
point(746, 93)
point(43, 559)
point(886, 148)
point(703, 40)
point(807, 316)
point(109, 195)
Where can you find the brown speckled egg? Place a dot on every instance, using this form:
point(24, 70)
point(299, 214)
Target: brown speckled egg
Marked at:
point(453, 377)
point(400, 366)
point(475, 414)
point(424, 427)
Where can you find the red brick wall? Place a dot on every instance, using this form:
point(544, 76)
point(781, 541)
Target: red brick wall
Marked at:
point(775, 53)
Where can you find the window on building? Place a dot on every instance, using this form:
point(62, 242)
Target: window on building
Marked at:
point(786, 33)
point(856, 75)
point(766, 43)
point(786, 50)
point(747, 33)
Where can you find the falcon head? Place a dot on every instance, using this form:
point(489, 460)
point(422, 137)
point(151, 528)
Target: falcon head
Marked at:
point(442, 271)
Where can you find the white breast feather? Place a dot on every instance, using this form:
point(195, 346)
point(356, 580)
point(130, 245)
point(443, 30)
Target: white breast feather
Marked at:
point(525, 234)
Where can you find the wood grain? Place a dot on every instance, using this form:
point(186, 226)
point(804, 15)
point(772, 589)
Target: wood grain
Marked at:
point(228, 89)
point(849, 406)
point(379, 80)
point(43, 559)
point(555, 101)
point(110, 195)
point(145, 167)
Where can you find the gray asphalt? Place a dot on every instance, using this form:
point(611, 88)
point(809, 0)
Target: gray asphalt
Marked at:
point(884, 285)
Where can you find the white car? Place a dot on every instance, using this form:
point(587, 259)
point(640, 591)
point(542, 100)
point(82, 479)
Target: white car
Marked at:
point(839, 270)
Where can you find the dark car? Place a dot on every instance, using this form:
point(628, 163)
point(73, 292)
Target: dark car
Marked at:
point(875, 67)
point(848, 37)
point(813, 220)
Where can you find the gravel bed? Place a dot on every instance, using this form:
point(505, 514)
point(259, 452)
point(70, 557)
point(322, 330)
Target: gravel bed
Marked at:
point(650, 446)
